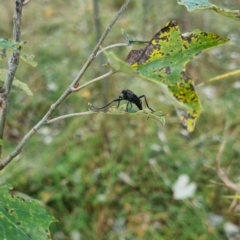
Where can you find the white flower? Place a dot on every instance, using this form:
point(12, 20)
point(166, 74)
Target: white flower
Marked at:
point(182, 188)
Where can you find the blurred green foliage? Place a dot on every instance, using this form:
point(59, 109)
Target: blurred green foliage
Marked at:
point(111, 177)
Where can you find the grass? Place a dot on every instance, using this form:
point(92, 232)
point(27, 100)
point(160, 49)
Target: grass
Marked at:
point(110, 177)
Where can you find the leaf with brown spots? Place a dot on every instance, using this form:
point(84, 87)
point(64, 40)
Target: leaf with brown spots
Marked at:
point(163, 61)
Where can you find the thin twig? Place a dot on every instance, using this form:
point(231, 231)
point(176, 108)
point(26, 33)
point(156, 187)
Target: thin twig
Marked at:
point(26, 2)
point(233, 205)
point(12, 68)
point(221, 173)
point(220, 77)
point(92, 81)
point(70, 115)
point(112, 46)
point(53, 107)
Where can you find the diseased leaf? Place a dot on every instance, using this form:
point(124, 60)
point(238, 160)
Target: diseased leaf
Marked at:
point(159, 116)
point(12, 46)
point(16, 83)
point(163, 61)
point(192, 5)
point(22, 219)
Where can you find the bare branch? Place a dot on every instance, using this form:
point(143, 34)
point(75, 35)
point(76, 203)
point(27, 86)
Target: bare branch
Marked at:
point(233, 205)
point(70, 115)
point(112, 46)
point(20, 146)
point(222, 174)
point(92, 81)
point(26, 2)
point(12, 68)
point(53, 107)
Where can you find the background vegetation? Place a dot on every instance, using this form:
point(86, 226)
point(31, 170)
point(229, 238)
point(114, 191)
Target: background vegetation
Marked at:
point(111, 177)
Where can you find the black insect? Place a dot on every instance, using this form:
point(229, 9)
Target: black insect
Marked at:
point(129, 96)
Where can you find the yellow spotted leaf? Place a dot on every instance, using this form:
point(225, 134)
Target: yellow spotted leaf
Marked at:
point(163, 61)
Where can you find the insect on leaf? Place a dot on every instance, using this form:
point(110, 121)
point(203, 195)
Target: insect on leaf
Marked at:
point(163, 61)
point(192, 5)
point(159, 116)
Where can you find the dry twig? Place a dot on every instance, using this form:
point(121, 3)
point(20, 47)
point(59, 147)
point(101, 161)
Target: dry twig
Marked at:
point(222, 174)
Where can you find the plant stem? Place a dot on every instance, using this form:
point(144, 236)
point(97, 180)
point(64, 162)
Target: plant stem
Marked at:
point(53, 107)
point(112, 46)
point(93, 80)
point(220, 77)
point(70, 115)
point(12, 68)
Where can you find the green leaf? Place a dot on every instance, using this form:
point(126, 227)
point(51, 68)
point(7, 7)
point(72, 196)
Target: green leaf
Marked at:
point(22, 219)
point(163, 62)
point(28, 58)
point(159, 116)
point(1, 142)
point(10, 45)
point(13, 46)
point(192, 5)
point(16, 82)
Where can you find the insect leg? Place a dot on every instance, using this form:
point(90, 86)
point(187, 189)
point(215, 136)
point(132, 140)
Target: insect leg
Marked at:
point(129, 102)
point(119, 100)
point(127, 106)
point(116, 100)
point(143, 96)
